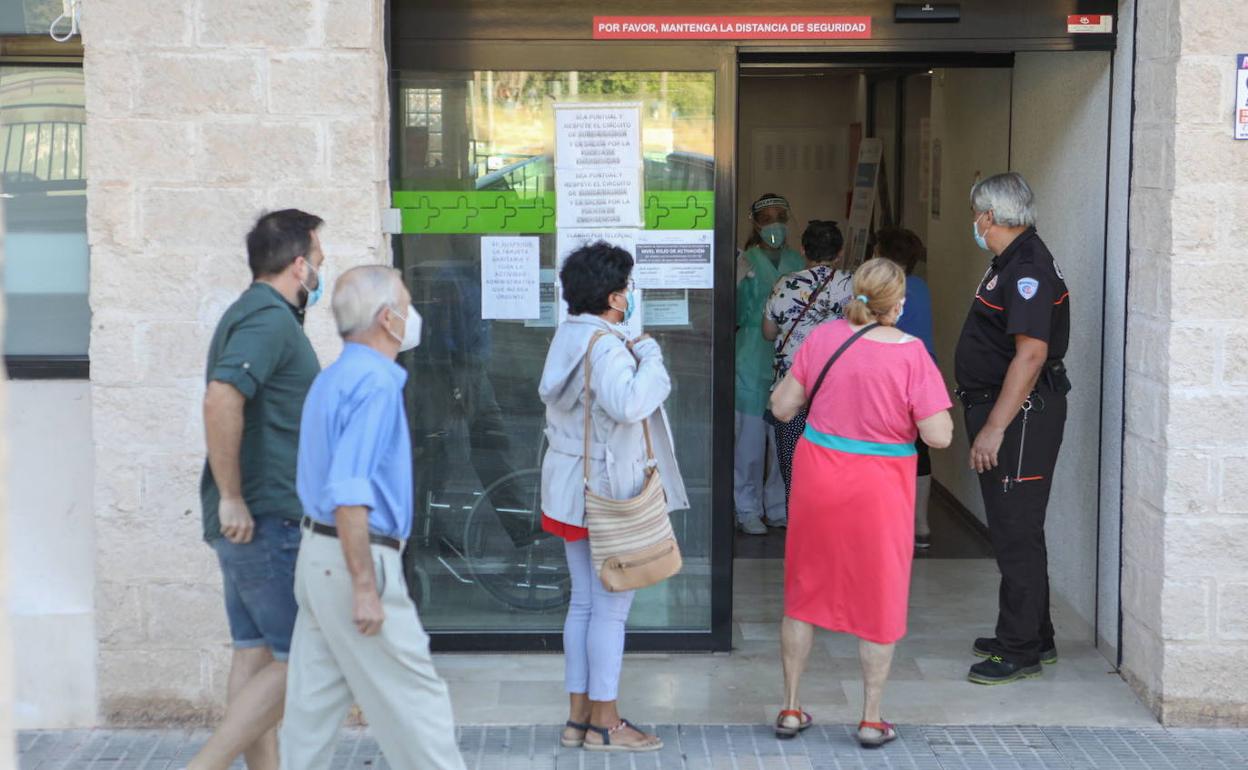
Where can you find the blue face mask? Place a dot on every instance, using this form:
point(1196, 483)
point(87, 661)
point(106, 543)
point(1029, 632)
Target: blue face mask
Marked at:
point(979, 239)
point(632, 305)
point(774, 234)
point(314, 295)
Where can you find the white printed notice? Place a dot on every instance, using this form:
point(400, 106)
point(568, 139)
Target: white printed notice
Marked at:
point(598, 135)
point(667, 307)
point(598, 197)
point(569, 239)
point(510, 278)
point(674, 259)
point(598, 165)
point(549, 295)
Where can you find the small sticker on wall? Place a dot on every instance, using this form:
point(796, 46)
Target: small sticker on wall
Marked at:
point(1090, 23)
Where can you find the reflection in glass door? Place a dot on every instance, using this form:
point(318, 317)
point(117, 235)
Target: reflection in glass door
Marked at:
point(474, 158)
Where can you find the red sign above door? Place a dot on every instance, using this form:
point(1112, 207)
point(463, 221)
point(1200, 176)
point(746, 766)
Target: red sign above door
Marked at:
point(1089, 23)
point(732, 27)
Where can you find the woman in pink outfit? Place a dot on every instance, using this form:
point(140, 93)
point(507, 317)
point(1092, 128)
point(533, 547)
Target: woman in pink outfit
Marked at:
point(871, 391)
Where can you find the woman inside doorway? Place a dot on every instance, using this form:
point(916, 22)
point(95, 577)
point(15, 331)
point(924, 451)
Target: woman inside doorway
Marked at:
point(800, 302)
point(758, 488)
point(906, 249)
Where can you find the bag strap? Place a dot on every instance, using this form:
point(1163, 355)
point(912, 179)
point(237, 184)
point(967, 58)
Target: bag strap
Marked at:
point(589, 399)
point(819, 382)
point(801, 316)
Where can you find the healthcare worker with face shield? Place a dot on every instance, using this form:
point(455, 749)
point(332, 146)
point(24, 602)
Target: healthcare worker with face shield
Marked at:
point(758, 487)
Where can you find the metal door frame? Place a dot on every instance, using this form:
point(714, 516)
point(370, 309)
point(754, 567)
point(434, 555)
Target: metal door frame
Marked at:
point(473, 55)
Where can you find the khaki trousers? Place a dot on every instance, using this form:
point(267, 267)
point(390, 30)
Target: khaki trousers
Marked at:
point(391, 675)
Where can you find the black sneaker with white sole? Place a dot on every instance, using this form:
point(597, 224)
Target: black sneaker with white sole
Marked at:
point(998, 670)
point(987, 646)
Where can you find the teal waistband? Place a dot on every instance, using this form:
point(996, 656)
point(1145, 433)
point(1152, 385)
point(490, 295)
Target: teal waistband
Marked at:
point(855, 447)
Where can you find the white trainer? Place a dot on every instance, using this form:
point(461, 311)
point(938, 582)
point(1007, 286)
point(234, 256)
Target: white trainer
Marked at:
point(753, 526)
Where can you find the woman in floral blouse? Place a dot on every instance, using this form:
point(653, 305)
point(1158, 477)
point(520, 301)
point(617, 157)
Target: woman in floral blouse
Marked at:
point(799, 302)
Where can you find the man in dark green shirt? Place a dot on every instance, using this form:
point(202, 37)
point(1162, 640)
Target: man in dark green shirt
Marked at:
point(260, 367)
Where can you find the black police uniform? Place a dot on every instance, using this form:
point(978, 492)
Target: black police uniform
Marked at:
point(1023, 292)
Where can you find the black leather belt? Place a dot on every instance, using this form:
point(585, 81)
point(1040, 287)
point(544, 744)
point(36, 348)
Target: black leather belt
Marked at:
point(1052, 378)
point(328, 531)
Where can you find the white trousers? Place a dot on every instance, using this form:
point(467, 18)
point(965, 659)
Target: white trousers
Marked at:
point(390, 675)
point(758, 487)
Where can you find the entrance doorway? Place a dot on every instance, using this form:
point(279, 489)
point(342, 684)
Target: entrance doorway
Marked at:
point(943, 121)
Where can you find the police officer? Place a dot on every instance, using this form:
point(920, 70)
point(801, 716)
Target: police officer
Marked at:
point(1013, 385)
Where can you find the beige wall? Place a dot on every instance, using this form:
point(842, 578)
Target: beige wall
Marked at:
point(971, 120)
point(8, 747)
point(1185, 582)
point(52, 554)
point(202, 115)
point(1059, 142)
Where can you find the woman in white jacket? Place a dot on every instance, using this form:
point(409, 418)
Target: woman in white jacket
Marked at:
point(630, 384)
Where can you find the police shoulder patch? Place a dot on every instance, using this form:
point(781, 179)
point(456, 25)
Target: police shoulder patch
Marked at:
point(1027, 287)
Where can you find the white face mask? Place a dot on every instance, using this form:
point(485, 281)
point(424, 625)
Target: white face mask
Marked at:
point(411, 330)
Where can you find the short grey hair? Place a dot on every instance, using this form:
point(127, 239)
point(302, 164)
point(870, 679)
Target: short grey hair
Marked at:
point(361, 293)
point(1008, 197)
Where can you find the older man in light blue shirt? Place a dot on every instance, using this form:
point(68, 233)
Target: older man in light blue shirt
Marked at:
point(357, 636)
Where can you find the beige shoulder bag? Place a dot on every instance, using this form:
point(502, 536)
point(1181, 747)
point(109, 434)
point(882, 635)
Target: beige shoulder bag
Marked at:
point(630, 541)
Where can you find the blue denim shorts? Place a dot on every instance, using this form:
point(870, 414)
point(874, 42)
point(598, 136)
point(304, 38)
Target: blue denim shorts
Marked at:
point(259, 581)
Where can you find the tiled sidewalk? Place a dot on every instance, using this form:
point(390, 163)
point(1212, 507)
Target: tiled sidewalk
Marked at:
point(731, 747)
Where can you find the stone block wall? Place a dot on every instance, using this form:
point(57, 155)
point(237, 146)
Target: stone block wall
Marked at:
point(1185, 538)
point(202, 114)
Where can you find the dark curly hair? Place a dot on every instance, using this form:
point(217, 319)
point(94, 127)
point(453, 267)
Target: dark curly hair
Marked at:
point(593, 273)
point(822, 240)
point(901, 246)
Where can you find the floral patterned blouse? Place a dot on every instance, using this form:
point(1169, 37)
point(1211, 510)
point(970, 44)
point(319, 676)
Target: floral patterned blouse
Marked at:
point(790, 298)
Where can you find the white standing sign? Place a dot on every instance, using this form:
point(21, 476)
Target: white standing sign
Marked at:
point(510, 278)
point(1241, 96)
point(866, 178)
point(675, 259)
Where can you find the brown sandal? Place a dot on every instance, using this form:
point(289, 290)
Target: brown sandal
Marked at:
point(804, 721)
point(888, 734)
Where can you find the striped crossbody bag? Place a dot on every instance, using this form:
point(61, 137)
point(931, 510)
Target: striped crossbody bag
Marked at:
point(631, 541)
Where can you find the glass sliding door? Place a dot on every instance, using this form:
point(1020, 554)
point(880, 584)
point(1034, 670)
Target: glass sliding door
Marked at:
point(473, 158)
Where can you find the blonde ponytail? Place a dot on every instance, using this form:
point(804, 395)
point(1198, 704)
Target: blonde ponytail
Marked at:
point(879, 286)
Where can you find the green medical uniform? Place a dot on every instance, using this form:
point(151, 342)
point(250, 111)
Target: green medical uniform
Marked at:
point(755, 355)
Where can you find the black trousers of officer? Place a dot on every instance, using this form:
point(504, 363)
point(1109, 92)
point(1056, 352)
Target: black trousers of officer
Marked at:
point(1016, 521)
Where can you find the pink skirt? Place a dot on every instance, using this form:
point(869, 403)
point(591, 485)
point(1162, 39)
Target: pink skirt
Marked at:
point(850, 542)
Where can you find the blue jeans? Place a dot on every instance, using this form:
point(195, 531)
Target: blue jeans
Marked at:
point(593, 634)
point(259, 582)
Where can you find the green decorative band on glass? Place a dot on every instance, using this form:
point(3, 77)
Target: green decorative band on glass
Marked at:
point(855, 447)
point(486, 212)
point(680, 210)
point(475, 211)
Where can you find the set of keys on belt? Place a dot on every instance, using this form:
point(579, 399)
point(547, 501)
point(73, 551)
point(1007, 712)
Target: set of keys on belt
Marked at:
point(1008, 482)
